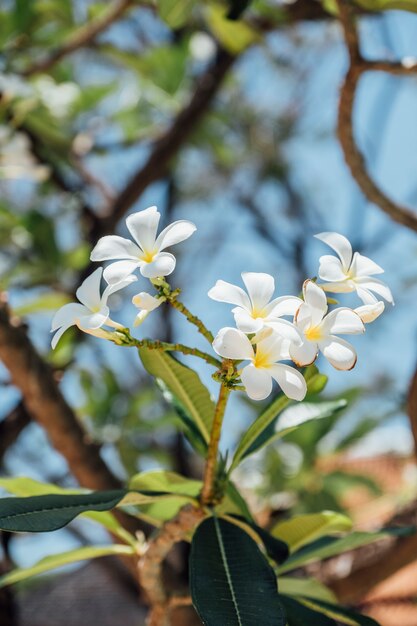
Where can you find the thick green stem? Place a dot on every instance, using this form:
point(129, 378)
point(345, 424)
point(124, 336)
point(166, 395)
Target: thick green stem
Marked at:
point(208, 490)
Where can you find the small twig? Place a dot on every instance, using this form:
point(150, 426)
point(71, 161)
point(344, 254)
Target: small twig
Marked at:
point(150, 564)
point(84, 35)
point(164, 346)
point(193, 319)
point(209, 483)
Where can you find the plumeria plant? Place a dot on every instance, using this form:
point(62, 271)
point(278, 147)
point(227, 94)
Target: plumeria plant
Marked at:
point(240, 573)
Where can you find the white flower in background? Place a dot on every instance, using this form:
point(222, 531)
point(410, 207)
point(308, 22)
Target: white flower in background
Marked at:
point(351, 271)
point(16, 158)
point(146, 303)
point(59, 98)
point(254, 309)
point(92, 312)
point(319, 330)
point(264, 365)
point(146, 252)
point(14, 86)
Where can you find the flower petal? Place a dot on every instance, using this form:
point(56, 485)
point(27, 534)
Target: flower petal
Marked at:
point(290, 380)
point(342, 321)
point(257, 382)
point(144, 300)
point(59, 333)
point(114, 247)
point(304, 354)
point(363, 266)
point(232, 294)
point(316, 300)
point(117, 272)
point(340, 245)
point(345, 286)
point(284, 305)
point(369, 312)
point(231, 343)
point(94, 320)
point(339, 353)
point(271, 349)
point(174, 233)
point(143, 227)
point(331, 269)
point(245, 322)
point(375, 285)
point(89, 293)
point(68, 314)
point(112, 288)
point(163, 264)
point(286, 330)
point(260, 288)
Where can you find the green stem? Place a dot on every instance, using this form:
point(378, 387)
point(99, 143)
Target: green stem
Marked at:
point(193, 319)
point(208, 491)
point(163, 346)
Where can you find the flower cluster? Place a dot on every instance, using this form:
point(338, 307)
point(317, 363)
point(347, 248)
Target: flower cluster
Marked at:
point(268, 331)
point(144, 253)
point(265, 339)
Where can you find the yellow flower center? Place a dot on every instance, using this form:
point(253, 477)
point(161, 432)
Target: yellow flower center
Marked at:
point(313, 333)
point(258, 313)
point(148, 256)
point(261, 359)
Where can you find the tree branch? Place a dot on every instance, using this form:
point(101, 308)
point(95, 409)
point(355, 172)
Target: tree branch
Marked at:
point(150, 564)
point(168, 145)
point(83, 36)
point(353, 156)
point(11, 427)
point(47, 406)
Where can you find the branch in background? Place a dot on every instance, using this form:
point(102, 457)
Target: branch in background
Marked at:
point(11, 427)
point(83, 36)
point(353, 156)
point(412, 408)
point(47, 406)
point(168, 145)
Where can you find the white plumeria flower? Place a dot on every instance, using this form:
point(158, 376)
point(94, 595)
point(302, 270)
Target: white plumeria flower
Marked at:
point(146, 303)
point(92, 312)
point(146, 252)
point(254, 309)
point(319, 330)
point(264, 365)
point(351, 271)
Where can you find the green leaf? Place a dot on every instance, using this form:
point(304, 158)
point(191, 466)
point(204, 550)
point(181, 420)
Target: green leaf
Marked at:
point(45, 302)
point(49, 512)
point(44, 513)
point(306, 587)
point(186, 391)
point(342, 615)
point(231, 581)
point(65, 558)
point(276, 549)
point(25, 487)
point(166, 482)
point(234, 36)
point(176, 12)
point(298, 614)
point(326, 547)
point(303, 529)
point(266, 428)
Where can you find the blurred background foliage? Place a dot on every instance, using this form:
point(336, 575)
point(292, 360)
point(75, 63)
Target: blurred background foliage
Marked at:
point(89, 91)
